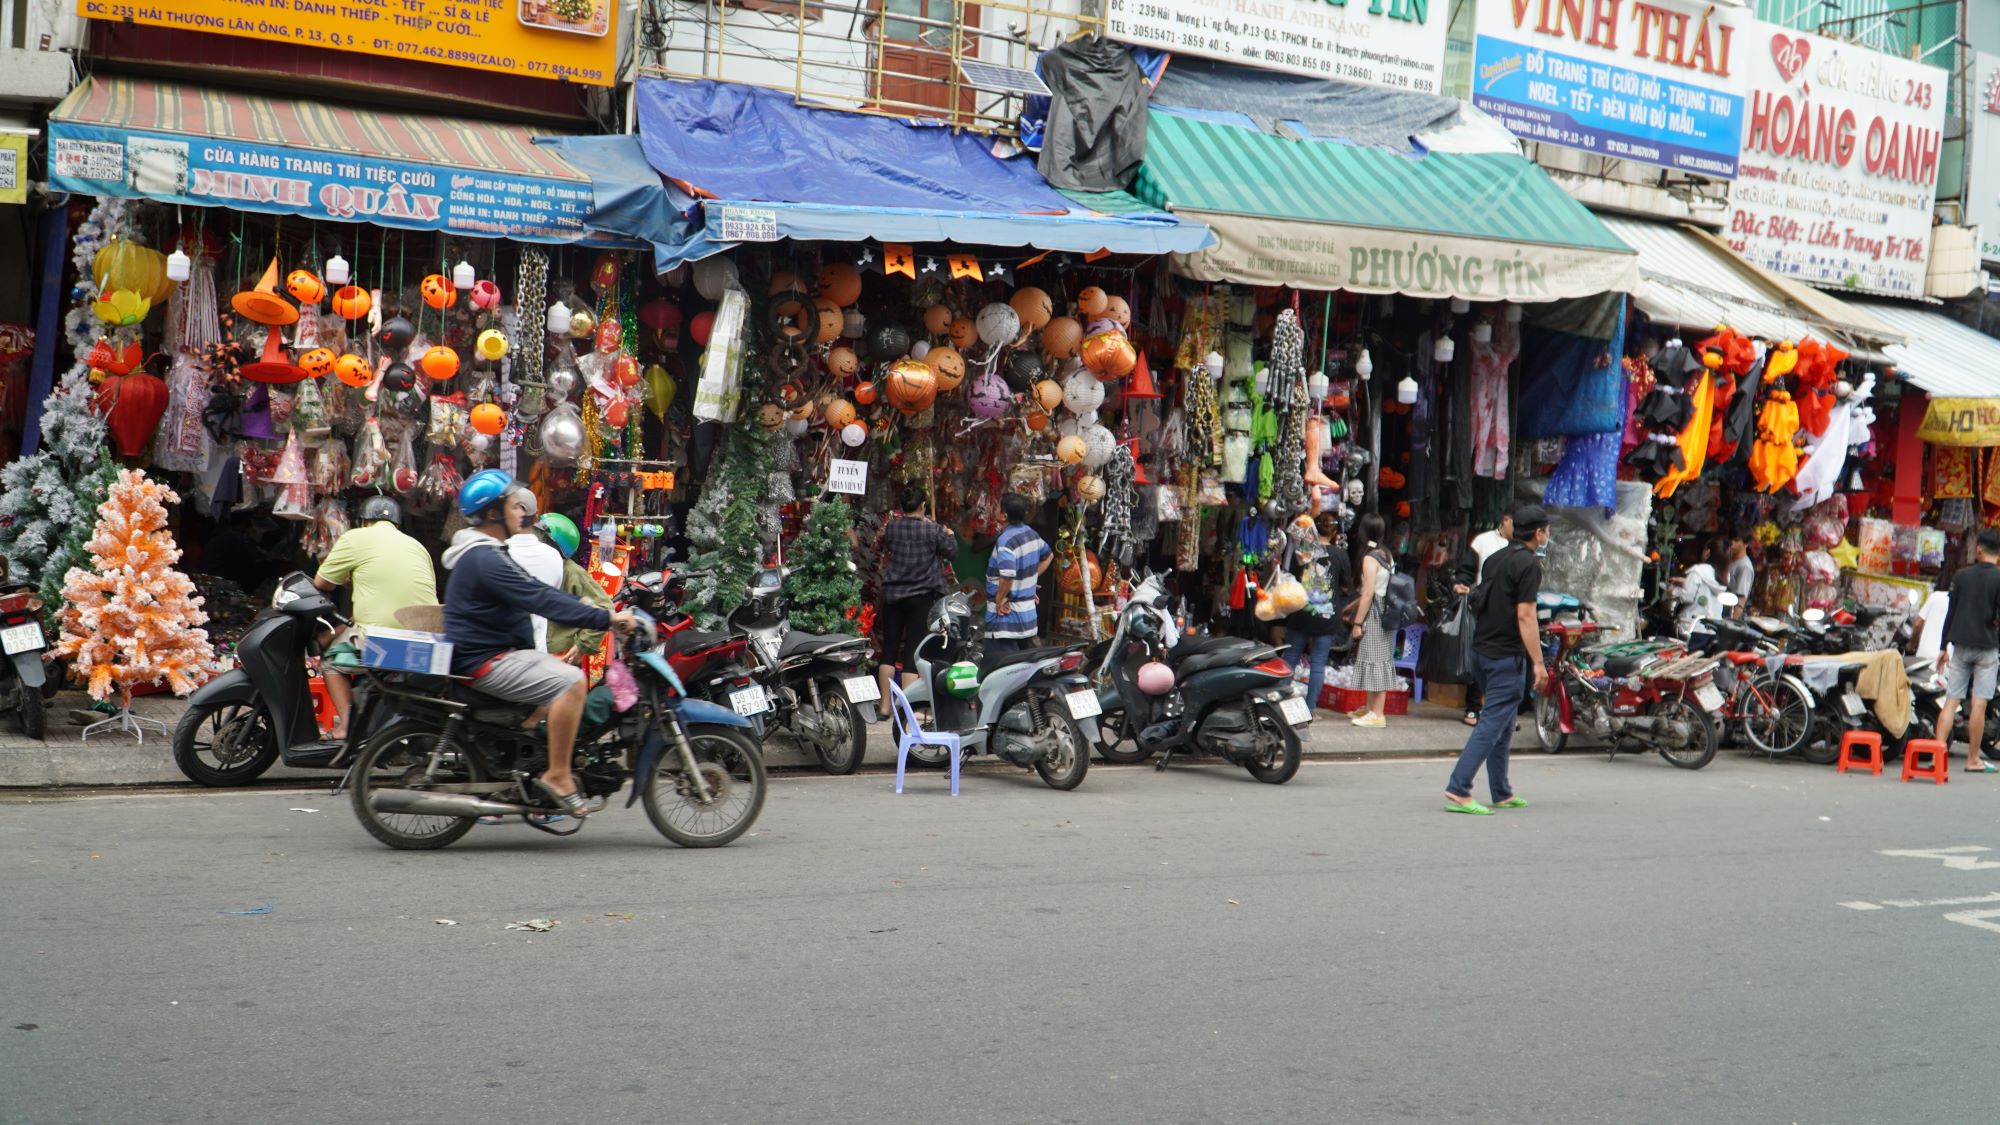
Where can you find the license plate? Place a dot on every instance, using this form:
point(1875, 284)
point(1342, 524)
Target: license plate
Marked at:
point(750, 701)
point(1851, 703)
point(1295, 711)
point(1709, 696)
point(1083, 705)
point(861, 689)
point(22, 638)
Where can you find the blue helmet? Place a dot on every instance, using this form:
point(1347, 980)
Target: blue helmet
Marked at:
point(482, 490)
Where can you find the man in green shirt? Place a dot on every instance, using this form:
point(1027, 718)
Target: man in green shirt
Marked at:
point(388, 571)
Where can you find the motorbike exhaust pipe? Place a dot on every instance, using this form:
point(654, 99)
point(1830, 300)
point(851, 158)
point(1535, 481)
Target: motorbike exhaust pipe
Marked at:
point(423, 803)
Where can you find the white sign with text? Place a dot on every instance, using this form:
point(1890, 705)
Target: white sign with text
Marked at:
point(1982, 185)
point(1394, 43)
point(847, 477)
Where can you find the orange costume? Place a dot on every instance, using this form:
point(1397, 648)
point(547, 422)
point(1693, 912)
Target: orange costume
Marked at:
point(1774, 459)
point(1693, 441)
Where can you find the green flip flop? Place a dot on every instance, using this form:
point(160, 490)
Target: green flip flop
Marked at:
point(1470, 808)
point(1512, 803)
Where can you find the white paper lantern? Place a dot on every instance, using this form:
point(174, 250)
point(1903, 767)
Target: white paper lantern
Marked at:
point(463, 275)
point(336, 270)
point(678, 276)
point(999, 325)
point(179, 266)
point(1444, 349)
point(1212, 363)
point(713, 276)
point(559, 316)
point(796, 427)
point(1406, 391)
point(1098, 446)
point(1317, 385)
point(853, 324)
point(1082, 393)
point(1090, 487)
point(920, 349)
point(853, 434)
point(1482, 333)
point(1365, 366)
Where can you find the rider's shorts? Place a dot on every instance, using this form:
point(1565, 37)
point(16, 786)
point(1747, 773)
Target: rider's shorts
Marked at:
point(527, 676)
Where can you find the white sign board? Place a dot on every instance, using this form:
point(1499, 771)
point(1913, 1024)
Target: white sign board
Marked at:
point(1394, 43)
point(749, 224)
point(1656, 82)
point(1982, 183)
point(1840, 163)
point(849, 477)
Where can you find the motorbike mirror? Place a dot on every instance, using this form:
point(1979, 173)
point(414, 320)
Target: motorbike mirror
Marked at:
point(1814, 616)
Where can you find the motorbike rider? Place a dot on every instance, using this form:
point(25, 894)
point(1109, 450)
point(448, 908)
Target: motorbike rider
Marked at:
point(488, 601)
point(388, 571)
point(572, 644)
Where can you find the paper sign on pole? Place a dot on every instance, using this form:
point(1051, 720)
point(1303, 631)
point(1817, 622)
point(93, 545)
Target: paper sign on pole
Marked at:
point(848, 477)
point(13, 168)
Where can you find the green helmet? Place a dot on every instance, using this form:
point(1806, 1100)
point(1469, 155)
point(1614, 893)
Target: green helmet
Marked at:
point(562, 531)
point(962, 679)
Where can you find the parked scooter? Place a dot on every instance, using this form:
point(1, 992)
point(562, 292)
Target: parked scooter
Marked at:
point(818, 684)
point(1646, 695)
point(714, 667)
point(242, 722)
point(1224, 696)
point(1032, 708)
point(24, 679)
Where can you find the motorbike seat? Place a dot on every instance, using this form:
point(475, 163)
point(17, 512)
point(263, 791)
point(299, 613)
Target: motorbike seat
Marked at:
point(796, 642)
point(989, 663)
point(1623, 665)
point(1234, 656)
point(1745, 659)
point(694, 640)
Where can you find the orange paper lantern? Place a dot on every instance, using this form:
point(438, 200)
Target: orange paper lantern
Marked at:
point(911, 385)
point(842, 361)
point(352, 370)
point(1049, 394)
point(440, 363)
point(840, 283)
point(1109, 355)
point(1061, 337)
point(1092, 302)
point(948, 365)
point(839, 413)
point(1033, 306)
point(488, 419)
point(937, 320)
point(964, 333)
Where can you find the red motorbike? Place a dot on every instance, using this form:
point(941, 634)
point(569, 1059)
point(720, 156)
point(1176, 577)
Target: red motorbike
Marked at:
point(1636, 696)
point(714, 666)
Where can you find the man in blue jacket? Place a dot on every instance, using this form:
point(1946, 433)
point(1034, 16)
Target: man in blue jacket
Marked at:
point(488, 602)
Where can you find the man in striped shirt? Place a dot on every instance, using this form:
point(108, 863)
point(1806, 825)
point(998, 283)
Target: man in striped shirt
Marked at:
point(1012, 575)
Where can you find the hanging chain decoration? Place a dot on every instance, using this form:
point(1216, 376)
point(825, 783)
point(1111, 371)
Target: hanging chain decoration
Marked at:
point(1288, 399)
point(531, 289)
point(1120, 498)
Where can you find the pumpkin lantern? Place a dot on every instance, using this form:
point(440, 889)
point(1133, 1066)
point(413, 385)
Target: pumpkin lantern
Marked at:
point(440, 363)
point(1033, 306)
point(964, 332)
point(488, 419)
point(1092, 302)
point(305, 287)
point(831, 320)
point(351, 302)
point(1109, 355)
point(353, 370)
point(948, 365)
point(840, 412)
point(317, 362)
point(842, 361)
point(840, 283)
point(132, 405)
point(485, 295)
point(1060, 337)
point(438, 292)
point(911, 385)
point(937, 320)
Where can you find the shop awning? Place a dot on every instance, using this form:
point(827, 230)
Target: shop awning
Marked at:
point(141, 138)
point(1323, 214)
point(1956, 365)
point(765, 168)
point(1692, 279)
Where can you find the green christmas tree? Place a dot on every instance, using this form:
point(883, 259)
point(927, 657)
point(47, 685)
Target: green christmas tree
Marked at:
point(730, 529)
point(824, 585)
point(48, 502)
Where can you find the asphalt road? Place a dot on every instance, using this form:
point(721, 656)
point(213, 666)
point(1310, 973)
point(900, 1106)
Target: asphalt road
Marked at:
point(1641, 945)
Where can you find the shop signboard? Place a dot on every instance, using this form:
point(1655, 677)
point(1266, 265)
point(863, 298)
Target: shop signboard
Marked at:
point(1651, 81)
point(847, 477)
point(1982, 186)
point(217, 172)
point(13, 167)
point(1394, 43)
point(1840, 163)
point(571, 40)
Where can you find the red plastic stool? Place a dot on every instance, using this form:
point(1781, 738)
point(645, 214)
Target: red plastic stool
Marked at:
point(1939, 770)
point(1861, 739)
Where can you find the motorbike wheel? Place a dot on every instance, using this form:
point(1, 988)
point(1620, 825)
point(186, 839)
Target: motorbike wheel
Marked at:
point(842, 753)
point(1677, 709)
point(399, 758)
point(34, 713)
point(1782, 721)
point(733, 768)
point(927, 757)
point(237, 739)
point(1113, 750)
point(1822, 744)
point(1063, 766)
point(1548, 725)
point(1281, 742)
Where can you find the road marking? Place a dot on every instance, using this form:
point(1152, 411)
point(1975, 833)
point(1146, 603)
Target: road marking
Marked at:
point(1979, 918)
point(1908, 903)
point(1859, 905)
point(1961, 858)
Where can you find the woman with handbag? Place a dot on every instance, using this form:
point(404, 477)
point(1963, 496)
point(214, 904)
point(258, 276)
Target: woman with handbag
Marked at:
point(1313, 631)
point(1375, 651)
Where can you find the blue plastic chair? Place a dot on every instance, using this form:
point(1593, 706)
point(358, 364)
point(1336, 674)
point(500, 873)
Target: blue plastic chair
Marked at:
point(914, 735)
point(1409, 648)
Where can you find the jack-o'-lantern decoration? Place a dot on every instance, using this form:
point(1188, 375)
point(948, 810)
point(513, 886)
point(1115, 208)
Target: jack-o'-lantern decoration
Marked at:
point(1038, 420)
point(1048, 394)
point(488, 419)
point(1090, 488)
point(398, 377)
point(1118, 312)
point(317, 362)
point(911, 385)
point(840, 283)
point(964, 332)
point(1033, 306)
point(1073, 575)
point(770, 416)
point(937, 320)
point(1109, 355)
point(839, 413)
point(831, 320)
point(353, 370)
point(1092, 302)
point(438, 292)
point(440, 363)
point(1061, 336)
point(351, 302)
point(1070, 449)
point(842, 361)
point(866, 394)
point(305, 287)
point(948, 365)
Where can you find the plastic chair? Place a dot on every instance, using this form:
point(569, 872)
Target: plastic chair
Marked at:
point(914, 735)
point(1939, 769)
point(1851, 759)
point(1409, 645)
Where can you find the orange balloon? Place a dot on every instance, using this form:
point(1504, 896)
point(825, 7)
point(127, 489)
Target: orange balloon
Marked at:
point(937, 320)
point(1049, 394)
point(440, 363)
point(964, 333)
point(1061, 337)
point(865, 394)
point(1092, 302)
point(488, 419)
point(840, 283)
point(948, 365)
point(839, 413)
point(1033, 306)
point(1118, 312)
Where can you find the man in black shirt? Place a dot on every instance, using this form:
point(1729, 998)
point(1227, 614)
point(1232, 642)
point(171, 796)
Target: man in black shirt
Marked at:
point(1506, 646)
point(1970, 653)
point(916, 568)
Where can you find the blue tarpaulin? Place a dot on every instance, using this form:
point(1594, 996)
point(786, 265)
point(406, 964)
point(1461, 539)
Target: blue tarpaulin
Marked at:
point(766, 168)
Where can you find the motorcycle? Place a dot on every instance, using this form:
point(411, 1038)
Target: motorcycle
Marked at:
point(713, 666)
point(1763, 696)
point(1032, 708)
point(452, 755)
point(262, 711)
point(1651, 694)
point(1223, 696)
point(818, 685)
point(24, 680)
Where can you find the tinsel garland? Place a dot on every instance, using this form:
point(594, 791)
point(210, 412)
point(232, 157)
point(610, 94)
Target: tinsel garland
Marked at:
point(593, 439)
point(1288, 395)
point(628, 344)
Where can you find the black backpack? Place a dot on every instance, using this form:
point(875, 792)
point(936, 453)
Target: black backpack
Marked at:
point(1399, 602)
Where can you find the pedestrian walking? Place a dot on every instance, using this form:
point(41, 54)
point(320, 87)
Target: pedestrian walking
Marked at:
point(1506, 649)
point(1971, 660)
point(1741, 575)
point(1013, 576)
point(1375, 649)
point(1466, 576)
point(916, 567)
point(1311, 631)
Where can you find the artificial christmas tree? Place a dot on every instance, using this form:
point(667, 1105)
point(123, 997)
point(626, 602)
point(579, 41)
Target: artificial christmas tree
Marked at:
point(134, 619)
point(733, 526)
point(825, 589)
point(48, 501)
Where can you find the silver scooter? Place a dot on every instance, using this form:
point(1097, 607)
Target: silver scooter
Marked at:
point(1034, 708)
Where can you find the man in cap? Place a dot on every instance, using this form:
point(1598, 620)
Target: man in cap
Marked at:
point(389, 571)
point(1506, 649)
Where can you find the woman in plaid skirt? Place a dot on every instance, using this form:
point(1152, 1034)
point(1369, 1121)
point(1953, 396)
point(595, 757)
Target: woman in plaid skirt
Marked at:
point(1375, 652)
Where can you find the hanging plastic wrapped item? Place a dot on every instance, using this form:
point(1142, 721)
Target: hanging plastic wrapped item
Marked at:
point(184, 443)
point(309, 413)
point(371, 457)
point(403, 465)
point(1600, 557)
point(438, 486)
point(329, 467)
point(295, 500)
point(328, 524)
point(449, 421)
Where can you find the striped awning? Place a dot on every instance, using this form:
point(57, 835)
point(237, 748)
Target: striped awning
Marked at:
point(1943, 357)
point(1326, 215)
point(176, 143)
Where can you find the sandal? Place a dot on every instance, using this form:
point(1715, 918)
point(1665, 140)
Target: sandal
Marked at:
point(1983, 767)
point(1471, 719)
point(1470, 808)
point(1512, 803)
point(572, 803)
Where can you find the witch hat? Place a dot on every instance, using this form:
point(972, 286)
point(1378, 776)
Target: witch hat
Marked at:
point(1141, 385)
point(263, 304)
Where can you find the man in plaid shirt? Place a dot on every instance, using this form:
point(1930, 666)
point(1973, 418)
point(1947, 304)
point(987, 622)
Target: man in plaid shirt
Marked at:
point(916, 568)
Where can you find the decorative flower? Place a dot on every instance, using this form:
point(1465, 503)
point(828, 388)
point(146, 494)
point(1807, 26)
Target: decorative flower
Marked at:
point(121, 307)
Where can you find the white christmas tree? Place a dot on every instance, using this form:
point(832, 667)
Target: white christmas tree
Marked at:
point(48, 501)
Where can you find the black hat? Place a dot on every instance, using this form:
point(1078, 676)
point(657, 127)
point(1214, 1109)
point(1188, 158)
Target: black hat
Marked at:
point(1528, 519)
